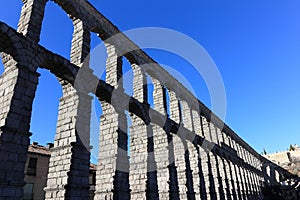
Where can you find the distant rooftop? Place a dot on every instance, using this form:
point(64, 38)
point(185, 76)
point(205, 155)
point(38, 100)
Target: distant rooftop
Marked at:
point(45, 150)
point(36, 148)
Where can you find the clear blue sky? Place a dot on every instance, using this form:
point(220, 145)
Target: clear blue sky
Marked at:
point(255, 44)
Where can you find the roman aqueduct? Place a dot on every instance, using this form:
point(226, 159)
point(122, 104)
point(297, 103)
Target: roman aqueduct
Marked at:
point(181, 155)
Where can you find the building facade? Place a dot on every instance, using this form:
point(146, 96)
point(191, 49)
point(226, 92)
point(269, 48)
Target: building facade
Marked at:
point(36, 172)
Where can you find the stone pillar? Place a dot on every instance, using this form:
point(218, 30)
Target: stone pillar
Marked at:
point(249, 155)
point(179, 152)
point(247, 182)
point(233, 189)
point(257, 182)
point(31, 18)
point(17, 91)
point(140, 89)
point(224, 169)
point(238, 170)
point(192, 170)
point(180, 147)
point(143, 174)
point(138, 158)
point(236, 177)
point(230, 173)
point(114, 65)
point(200, 151)
point(175, 115)
point(80, 44)
point(242, 170)
point(215, 164)
point(252, 182)
point(242, 181)
point(160, 139)
point(112, 176)
point(239, 182)
point(210, 175)
point(68, 176)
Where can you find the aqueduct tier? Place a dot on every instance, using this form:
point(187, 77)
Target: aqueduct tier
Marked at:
point(187, 153)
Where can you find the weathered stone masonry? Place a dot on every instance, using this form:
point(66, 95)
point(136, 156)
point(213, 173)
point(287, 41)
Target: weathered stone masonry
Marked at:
point(178, 155)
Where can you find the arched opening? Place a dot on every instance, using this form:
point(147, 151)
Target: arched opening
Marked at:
point(96, 112)
point(167, 101)
point(45, 108)
point(127, 77)
point(57, 30)
point(43, 128)
point(97, 63)
point(1, 65)
point(129, 123)
point(98, 56)
point(150, 89)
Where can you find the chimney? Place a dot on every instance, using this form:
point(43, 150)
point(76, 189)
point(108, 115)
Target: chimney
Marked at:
point(50, 145)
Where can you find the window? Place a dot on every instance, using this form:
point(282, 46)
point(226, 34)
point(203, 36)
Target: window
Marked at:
point(92, 178)
point(31, 169)
point(28, 194)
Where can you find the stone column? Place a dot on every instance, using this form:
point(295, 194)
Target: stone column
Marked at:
point(216, 165)
point(249, 155)
point(236, 177)
point(238, 170)
point(80, 44)
point(200, 151)
point(138, 158)
point(247, 182)
point(112, 176)
point(143, 174)
point(17, 91)
point(239, 182)
point(230, 170)
point(257, 182)
point(252, 182)
point(210, 175)
point(191, 154)
point(242, 181)
point(31, 18)
point(175, 115)
point(233, 189)
point(68, 176)
point(223, 168)
point(243, 170)
point(179, 152)
point(160, 139)
point(179, 148)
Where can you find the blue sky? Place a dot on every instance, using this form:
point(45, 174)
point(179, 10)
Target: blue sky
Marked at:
point(255, 45)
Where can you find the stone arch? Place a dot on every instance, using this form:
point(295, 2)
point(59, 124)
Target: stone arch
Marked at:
point(8, 42)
